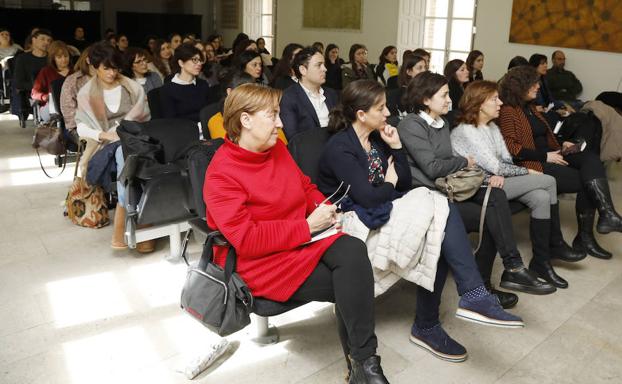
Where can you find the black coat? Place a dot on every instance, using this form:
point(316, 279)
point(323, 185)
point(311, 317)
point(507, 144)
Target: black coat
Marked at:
point(344, 159)
point(297, 112)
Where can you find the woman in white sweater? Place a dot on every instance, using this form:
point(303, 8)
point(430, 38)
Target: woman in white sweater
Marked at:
point(479, 137)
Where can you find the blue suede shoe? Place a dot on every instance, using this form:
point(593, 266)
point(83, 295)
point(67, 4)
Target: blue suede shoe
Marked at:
point(487, 310)
point(436, 341)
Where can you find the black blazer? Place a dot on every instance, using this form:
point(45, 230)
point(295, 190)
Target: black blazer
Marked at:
point(297, 112)
point(344, 159)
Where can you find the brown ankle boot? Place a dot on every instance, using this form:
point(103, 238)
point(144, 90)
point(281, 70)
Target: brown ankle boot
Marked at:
point(118, 229)
point(146, 246)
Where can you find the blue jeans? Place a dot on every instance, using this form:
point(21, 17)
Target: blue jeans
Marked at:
point(457, 254)
point(118, 156)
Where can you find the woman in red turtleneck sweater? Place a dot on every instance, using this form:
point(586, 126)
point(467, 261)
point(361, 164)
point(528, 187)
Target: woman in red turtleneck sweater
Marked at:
point(267, 209)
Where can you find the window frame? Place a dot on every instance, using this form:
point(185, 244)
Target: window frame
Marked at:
point(447, 51)
point(272, 37)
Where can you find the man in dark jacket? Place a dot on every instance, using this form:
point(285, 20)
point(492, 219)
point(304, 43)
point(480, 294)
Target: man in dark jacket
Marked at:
point(563, 84)
point(306, 105)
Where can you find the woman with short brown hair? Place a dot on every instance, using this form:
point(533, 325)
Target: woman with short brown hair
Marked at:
point(58, 67)
point(478, 136)
point(269, 211)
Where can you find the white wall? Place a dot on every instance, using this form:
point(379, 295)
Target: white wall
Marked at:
point(598, 71)
point(228, 35)
point(378, 28)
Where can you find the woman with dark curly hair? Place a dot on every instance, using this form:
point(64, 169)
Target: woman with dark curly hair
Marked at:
point(532, 144)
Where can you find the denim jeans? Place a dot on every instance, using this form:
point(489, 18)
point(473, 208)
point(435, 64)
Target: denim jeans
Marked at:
point(118, 156)
point(457, 255)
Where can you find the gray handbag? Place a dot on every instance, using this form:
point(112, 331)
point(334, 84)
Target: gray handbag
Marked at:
point(461, 185)
point(218, 298)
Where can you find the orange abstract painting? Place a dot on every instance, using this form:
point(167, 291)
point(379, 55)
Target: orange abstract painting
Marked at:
point(582, 24)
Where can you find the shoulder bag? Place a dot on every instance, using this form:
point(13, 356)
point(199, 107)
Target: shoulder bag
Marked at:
point(461, 185)
point(86, 204)
point(217, 298)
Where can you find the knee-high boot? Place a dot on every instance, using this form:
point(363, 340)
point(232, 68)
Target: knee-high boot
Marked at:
point(585, 239)
point(559, 248)
point(540, 231)
point(608, 219)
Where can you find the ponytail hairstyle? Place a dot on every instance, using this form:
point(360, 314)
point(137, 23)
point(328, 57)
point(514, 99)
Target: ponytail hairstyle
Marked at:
point(359, 95)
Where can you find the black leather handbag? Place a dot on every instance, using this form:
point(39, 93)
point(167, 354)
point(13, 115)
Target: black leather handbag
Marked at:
point(218, 298)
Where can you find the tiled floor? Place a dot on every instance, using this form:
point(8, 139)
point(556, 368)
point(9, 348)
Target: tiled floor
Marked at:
point(74, 311)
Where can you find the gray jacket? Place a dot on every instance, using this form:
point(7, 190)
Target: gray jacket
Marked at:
point(429, 150)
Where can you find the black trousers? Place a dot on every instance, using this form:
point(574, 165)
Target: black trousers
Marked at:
point(498, 229)
point(456, 254)
point(344, 276)
point(582, 167)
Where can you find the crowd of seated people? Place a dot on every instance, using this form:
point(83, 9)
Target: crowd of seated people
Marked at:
point(253, 99)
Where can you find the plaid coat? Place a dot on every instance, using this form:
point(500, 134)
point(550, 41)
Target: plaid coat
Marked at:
point(518, 135)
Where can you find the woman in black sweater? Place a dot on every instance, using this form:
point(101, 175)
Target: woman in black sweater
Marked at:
point(333, 64)
point(185, 95)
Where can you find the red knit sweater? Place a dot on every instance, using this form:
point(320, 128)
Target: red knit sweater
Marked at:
point(260, 201)
point(42, 85)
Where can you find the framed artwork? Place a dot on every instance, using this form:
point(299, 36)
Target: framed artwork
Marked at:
point(230, 14)
point(583, 24)
point(330, 14)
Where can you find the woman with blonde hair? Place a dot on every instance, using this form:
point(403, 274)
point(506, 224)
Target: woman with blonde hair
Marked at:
point(269, 210)
point(72, 84)
point(58, 67)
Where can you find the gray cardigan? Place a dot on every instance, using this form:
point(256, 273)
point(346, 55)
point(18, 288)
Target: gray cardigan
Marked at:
point(486, 145)
point(429, 150)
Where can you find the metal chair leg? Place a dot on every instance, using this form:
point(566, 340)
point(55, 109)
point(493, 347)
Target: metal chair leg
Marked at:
point(264, 334)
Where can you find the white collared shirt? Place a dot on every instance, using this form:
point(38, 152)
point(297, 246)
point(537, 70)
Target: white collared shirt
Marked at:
point(438, 123)
point(319, 104)
point(179, 81)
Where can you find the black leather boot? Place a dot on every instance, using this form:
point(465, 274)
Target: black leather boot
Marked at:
point(608, 219)
point(559, 248)
point(540, 230)
point(545, 270)
point(524, 280)
point(506, 299)
point(367, 371)
point(585, 239)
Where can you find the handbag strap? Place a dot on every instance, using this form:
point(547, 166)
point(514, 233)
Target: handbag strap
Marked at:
point(81, 148)
point(207, 257)
point(482, 218)
point(43, 169)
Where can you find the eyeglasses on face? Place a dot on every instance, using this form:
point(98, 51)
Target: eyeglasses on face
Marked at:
point(142, 60)
point(197, 60)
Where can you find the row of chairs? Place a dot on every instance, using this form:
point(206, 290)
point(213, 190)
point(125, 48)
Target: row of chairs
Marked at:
point(164, 184)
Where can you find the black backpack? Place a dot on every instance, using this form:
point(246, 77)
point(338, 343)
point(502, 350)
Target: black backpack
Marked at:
point(199, 157)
